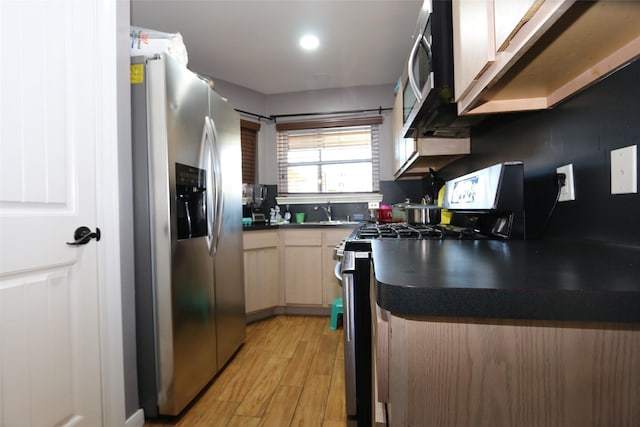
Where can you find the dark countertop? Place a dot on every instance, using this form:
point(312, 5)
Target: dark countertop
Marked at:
point(518, 279)
point(253, 227)
point(256, 226)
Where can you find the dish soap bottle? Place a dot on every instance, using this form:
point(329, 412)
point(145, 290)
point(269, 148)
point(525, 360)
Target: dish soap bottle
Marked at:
point(287, 215)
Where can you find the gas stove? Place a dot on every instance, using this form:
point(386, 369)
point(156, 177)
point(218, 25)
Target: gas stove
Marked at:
point(403, 230)
point(485, 204)
point(360, 238)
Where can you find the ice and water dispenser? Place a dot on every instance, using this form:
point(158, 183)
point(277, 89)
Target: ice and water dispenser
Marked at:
point(191, 200)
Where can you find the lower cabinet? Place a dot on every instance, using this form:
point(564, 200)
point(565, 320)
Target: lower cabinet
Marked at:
point(261, 270)
point(302, 266)
point(291, 267)
point(457, 371)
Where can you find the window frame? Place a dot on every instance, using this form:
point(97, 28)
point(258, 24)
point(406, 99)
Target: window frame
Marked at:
point(312, 197)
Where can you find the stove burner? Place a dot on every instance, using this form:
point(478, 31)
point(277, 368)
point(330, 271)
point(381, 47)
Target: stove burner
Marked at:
point(406, 231)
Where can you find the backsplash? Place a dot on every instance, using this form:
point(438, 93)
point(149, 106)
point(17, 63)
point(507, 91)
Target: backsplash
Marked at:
point(393, 192)
point(582, 131)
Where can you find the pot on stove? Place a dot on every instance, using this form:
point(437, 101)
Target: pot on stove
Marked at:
point(423, 214)
point(399, 211)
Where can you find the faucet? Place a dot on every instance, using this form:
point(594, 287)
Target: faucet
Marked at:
point(327, 210)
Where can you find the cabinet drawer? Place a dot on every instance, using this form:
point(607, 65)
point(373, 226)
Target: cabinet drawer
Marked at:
point(260, 239)
point(302, 237)
point(333, 237)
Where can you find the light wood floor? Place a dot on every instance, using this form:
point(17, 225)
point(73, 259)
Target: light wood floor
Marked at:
point(290, 372)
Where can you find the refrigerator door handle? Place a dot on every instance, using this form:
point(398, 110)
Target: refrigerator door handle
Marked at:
point(207, 163)
point(216, 185)
point(220, 194)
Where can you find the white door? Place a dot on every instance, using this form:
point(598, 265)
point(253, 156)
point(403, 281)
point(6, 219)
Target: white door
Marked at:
point(50, 360)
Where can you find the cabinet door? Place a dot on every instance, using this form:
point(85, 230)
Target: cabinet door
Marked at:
point(473, 41)
point(261, 279)
point(510, 15)
point(303, 275)
point(403, 147)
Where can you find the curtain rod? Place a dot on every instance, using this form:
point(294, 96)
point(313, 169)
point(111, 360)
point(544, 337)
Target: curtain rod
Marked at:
point(259, 116)
point(275, 117)
point(327, 113)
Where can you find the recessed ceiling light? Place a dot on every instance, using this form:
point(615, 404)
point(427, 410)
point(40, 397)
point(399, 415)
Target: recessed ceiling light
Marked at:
point(309, 42)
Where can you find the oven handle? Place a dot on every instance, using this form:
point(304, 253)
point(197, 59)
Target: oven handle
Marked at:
point(347, 306)
point(337, 271)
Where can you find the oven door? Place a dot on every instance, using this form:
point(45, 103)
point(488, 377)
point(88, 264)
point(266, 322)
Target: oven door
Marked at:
point(357, 337)
point(348, 283)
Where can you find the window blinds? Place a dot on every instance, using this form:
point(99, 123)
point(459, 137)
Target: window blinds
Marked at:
point(328, 159)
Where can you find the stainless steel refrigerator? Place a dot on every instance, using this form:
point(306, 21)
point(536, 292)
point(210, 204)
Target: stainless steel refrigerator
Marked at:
point(190, 316)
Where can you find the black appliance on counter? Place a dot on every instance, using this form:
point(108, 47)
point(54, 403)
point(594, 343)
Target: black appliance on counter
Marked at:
point(486, 204)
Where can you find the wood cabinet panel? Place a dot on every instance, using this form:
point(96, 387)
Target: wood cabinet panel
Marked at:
point(403, 147)
point(260, 239)
point(547, 50)
point(261, 279)
point(510, 16)
point(303, 275)
point(307, 237)
point(474, 44)
point(458, 371)
point(261, 270)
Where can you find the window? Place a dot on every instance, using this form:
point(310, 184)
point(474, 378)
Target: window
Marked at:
point(340, 156)
point(248, 141)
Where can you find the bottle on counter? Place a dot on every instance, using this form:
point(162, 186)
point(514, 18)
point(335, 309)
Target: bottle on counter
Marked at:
point(278, 216)
point(287, 215)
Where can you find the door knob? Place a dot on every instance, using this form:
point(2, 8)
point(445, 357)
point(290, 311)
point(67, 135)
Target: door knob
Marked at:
point(83, 235)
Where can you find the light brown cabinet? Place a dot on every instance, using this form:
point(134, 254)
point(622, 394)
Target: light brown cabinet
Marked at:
point(261, 270)
point(433, 153)
point(291, 267)
point(302, 266)
point(413, 157)
point(455, 371)
point(403, 147)
point(515, 55)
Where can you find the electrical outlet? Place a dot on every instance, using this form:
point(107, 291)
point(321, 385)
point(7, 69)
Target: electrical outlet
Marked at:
point(568, 192)
point(624, 170)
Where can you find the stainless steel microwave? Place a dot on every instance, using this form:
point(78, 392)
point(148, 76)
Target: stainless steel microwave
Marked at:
point(427, 92)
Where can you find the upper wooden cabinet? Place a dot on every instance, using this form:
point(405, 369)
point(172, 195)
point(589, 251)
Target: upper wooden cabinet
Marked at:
point(473, 42)
point(403, 147)
point(509, 16)
point(432, 153)
point(515, 55)
point(413, 157)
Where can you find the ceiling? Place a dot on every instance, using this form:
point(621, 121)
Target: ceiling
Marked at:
point(255, 43)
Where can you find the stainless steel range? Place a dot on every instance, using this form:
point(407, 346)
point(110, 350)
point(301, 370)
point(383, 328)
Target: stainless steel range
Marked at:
point(486, 204)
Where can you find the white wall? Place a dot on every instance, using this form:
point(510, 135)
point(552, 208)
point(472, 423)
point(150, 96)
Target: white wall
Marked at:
point(320, 101)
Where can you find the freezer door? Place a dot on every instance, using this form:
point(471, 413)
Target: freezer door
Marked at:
point(187, 356)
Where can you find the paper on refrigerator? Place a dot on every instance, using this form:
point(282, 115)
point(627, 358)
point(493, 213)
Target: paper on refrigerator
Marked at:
point(145, 42)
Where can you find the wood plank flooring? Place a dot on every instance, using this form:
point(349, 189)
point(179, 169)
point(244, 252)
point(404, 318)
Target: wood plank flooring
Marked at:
point(290, 372)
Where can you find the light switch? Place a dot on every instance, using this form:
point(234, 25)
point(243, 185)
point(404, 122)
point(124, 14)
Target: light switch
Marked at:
point(624, 170)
